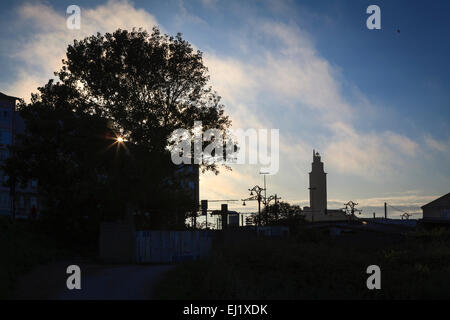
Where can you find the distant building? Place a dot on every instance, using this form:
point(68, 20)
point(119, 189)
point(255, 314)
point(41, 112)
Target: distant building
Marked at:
point(437, 210)
point(23, 201)
point(318, 211)
point(190, 183)
point(317, 186)
point(233, 220)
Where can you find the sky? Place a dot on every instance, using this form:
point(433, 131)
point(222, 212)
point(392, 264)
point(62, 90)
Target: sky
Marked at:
point(374, 103)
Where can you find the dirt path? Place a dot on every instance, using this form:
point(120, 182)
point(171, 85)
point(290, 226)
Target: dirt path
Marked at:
point(101, 282)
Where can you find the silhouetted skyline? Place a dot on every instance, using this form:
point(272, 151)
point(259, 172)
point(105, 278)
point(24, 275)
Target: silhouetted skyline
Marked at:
point(375, 102)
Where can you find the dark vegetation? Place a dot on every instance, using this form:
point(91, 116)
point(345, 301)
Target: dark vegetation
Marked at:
point(24, 245)
point(281, 213)
point(313, 265)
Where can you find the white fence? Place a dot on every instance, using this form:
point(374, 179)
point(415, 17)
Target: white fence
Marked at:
point(273, 231)
point(171, 246)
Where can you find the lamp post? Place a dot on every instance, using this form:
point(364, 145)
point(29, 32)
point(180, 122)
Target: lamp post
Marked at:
point(256, 189)
point(265, 188)
point(350, 209)
point(260, 198)
point(257, 196)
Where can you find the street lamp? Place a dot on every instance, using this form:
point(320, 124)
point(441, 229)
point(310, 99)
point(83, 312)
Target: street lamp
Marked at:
point(255, 194)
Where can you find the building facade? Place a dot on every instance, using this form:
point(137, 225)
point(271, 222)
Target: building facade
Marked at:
point(18, 202)
point(318, 210)
point(317, 186)
point(437, 210)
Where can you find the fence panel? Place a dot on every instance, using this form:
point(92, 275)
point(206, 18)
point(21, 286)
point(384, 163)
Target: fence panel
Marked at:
point(171, 246)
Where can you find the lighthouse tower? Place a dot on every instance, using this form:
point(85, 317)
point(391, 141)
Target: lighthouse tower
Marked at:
point(317, 186)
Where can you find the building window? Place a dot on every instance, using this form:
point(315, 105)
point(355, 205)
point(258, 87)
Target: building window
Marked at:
point(4, 154)
point(21, 202)
point(4, 115)
point(5, 136)
point(33, 202)
point(4, 200)
point(3, 178)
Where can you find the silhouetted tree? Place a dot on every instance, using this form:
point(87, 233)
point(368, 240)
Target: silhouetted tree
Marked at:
point(281, 213)
point(132, 84)
point(149, 85)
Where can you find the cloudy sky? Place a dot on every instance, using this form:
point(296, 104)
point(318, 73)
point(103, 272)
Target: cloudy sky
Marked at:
point(374, 103)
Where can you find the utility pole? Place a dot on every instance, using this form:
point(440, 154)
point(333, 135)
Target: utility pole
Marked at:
point(204, 208)
point(204, 204)
point(265, 188)
point(257, 189)
point(224, 215)
point(261, 198)
point(276, 208)
point(385, 210)
point(350, 209)
point(259, 208)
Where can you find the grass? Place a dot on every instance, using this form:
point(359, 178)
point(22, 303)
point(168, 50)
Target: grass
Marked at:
point(22, 247)
point(312, 265)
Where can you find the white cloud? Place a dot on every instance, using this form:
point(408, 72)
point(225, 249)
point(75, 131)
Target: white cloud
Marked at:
point(299, 79)
point(373, 155)
point(209, 3)
point(442, 146)
point(186, 16)
point(410, 200)
point(401, 144)
point(40, 53)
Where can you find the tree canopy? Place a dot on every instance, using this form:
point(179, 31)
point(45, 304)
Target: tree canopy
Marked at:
point(131, 84)
point(281, 213)
point(148, 84)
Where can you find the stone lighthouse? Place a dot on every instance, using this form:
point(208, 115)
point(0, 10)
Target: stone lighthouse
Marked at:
point(317, 186)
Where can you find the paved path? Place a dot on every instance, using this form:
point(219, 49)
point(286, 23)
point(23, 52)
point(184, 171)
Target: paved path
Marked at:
point(98, 282)
point(119, 282)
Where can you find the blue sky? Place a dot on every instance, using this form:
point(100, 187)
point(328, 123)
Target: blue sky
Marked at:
point(375, 103)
